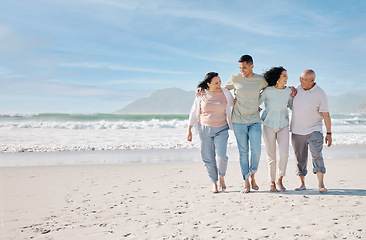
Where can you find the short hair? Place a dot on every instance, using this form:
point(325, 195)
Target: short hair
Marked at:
point(273, 75)
point(311, 72)
point(246, 58)
point(208, 78)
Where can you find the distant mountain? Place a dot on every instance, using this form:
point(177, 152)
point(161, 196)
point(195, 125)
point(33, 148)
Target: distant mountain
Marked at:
point(175, 101)
point(166, 101)
point(348, 103)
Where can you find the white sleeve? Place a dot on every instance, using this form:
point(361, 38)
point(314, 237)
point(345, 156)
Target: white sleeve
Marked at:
point(323, 107)
point(193, 113)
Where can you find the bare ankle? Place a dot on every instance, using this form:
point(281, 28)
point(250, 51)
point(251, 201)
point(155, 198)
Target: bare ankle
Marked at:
point(215, 188)
point(222, 184)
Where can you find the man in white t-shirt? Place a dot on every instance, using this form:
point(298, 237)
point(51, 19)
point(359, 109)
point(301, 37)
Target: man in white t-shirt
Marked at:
point(310, 108)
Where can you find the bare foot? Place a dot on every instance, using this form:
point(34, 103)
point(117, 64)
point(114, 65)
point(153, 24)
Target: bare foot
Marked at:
point(254, 184)
point(280, 185)
point(246, 189)
point(322, 189)
point(222, 184)
point(302, 187)
point(214, 188)
point(273, 188)
point(246, 186)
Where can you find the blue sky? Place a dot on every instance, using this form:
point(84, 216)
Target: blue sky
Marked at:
point(99, 55)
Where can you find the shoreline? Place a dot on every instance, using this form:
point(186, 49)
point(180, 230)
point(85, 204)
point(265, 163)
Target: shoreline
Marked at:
point(23, 159)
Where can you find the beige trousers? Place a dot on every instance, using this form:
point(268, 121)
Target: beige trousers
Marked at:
point(281, 136)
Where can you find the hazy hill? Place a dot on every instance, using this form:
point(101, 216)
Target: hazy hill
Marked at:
point(170, 100)
point(348, 103)
point(175, 100)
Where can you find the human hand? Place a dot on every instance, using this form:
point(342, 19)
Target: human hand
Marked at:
point(294, 91)
point(189, 136)
point(328, 140)
point(198, 92)
point(259, 109)
point(235, 100)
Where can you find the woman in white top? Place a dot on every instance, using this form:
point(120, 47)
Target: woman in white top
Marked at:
point(275, 118)
point(211, 117)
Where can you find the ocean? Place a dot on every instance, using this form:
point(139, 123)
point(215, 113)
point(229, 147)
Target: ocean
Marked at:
point(56, 132)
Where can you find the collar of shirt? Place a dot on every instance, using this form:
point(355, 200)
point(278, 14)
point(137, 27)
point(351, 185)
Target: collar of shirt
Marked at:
point(310, 90)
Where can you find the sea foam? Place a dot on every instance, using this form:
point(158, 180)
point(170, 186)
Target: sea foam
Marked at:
point(65, 132)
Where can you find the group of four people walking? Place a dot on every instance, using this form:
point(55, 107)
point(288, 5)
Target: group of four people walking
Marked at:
point(215, 111)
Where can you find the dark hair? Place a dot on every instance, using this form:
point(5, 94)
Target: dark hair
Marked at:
point(273, 75)
point(208, 78)
point(246, 58)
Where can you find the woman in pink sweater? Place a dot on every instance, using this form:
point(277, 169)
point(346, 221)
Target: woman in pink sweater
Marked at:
point(211, 117)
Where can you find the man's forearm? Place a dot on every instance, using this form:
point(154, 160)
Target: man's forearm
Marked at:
point(327, 121)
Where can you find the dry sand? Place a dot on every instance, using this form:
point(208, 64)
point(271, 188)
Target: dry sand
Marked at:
point(173, 201)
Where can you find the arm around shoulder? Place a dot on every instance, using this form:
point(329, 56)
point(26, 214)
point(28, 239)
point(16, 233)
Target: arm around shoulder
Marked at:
point(262, 97)
point(230, 83)
point(290, 102)
point(229, 97)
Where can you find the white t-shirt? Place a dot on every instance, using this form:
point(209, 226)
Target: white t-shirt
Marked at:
point(306, 110)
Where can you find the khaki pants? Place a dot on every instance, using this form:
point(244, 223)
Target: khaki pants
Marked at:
point(281, 136)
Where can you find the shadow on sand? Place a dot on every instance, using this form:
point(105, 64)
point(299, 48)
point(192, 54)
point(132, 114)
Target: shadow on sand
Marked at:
point(309, 191)
point(335, 192)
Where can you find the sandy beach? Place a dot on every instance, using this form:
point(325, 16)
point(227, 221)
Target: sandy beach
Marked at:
point(173, 201)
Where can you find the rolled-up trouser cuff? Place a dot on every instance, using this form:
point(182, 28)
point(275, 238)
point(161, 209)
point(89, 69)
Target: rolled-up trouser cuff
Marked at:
point(319, 169)
point(282, 173)
point(302, 173)
point(247, 176)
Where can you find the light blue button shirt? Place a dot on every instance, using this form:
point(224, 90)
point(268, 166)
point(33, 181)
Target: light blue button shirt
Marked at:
point(276, 101)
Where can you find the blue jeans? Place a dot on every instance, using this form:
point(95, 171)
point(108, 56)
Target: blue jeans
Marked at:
point(214, 141)
point(248, 135)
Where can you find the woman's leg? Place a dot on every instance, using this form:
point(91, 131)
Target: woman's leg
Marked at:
point(283, 138)
point(208, 153)
point(220, 141)
point(269, 137)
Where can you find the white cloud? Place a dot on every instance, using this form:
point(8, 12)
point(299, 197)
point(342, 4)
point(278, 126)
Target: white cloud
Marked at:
point(6, 73)
point(258, 18)
point(110, 66)
point(251, 23)
point(189, 54)
point(137, 81)
point(5, 31)
point(358, 42)
point(14, 43)
point(120, 4)
point(57, 88)
point(100, 42)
